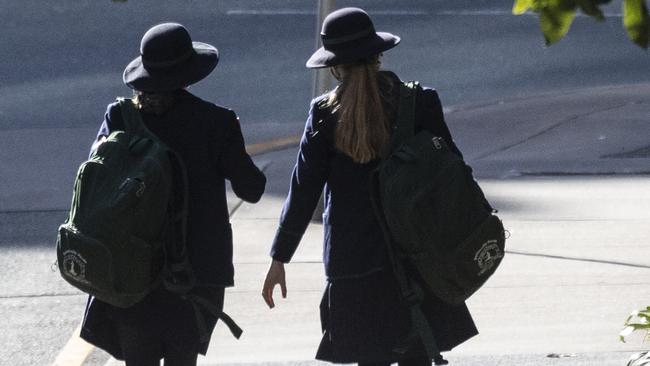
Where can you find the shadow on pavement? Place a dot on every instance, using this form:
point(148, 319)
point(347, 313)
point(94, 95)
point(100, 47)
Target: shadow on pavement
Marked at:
point(30, 228)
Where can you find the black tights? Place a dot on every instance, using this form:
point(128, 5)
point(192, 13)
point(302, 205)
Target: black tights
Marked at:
point(407, 362)
point(141, 348)
point(169, 360)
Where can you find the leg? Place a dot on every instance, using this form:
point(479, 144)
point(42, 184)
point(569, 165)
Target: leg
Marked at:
point(181, 346)
point(421, 361)
point(180, 357)
point(374, 363)
point(438, 360)
point(138, 347)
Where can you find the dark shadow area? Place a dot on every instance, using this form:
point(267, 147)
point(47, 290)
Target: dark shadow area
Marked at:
point(30, 228)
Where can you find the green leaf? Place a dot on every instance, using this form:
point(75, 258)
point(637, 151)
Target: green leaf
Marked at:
point(555, 21)
point(625, 332)
point(645, 313)
point(521, 6)
point(590, 7)
point(636, 22)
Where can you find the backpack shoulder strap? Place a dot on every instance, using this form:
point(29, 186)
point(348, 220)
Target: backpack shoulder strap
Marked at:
point(408, 95)
point(410, 290)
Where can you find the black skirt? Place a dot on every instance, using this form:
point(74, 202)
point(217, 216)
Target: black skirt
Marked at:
point(365, 320)
point(162, 318)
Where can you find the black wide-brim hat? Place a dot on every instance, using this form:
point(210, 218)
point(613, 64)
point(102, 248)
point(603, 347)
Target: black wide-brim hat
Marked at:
point(349, 36)
point(169, 60)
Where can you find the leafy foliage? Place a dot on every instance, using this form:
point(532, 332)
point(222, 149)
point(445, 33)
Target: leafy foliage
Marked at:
point(556, 16)
point(638, 320)
point(635, 19)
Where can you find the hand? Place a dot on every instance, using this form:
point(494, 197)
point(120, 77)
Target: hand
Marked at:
point(275, 276)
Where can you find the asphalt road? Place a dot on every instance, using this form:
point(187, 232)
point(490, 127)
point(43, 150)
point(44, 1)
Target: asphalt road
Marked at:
point(61, 63)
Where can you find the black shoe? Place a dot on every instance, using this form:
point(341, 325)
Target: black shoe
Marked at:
point(438, 360)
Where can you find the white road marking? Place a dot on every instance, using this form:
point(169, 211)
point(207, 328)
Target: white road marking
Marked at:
point(313, 12)
point(75, 352)
point(507, 13)
point(272, 12)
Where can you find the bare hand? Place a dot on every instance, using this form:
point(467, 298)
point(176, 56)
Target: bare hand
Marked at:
point(274, 276)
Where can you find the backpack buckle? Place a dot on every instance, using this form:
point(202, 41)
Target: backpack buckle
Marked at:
point(436, 143)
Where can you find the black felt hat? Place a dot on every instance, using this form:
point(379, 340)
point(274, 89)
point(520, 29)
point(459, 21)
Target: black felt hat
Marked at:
point(169, 60)
point(349, 36)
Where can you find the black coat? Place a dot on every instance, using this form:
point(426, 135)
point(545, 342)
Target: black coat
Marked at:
point(209, 140)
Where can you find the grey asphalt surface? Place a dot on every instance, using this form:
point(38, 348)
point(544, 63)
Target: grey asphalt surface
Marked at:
point(63, 64)
point(68, 56)
point(558, 136)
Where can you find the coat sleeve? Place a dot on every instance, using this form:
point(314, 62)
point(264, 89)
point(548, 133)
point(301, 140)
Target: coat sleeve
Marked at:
point(247, 181)
point(433, 118)
point(112, 118)
point(307, 182)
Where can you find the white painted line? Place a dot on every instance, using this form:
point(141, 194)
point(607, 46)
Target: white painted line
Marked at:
point(312, 12)
point(272, 12)
point(399, 12)
point(508, 13)
point(477, 12)
point(75, 352)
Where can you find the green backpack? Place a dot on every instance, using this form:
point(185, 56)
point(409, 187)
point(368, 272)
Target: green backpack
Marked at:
point(126, 231)
point(113, 244)
point(433, 211)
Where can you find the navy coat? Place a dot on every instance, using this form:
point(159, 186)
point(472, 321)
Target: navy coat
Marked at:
point(209, 140)
point(354, 251)
point(353, 242)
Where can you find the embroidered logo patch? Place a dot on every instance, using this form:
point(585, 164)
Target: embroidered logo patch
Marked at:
point(487, 256)
point(74, 264)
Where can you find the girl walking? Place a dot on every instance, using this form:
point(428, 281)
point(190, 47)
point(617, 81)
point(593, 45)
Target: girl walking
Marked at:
point(208, 139)
point(347, 133)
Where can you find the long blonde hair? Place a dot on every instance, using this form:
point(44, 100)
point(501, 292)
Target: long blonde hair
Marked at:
point(362, 132)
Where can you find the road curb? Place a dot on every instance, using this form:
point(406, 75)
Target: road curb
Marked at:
point(272, 145)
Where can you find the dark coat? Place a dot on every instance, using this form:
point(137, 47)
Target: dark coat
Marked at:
point(354, 246)
point(353, 237)
point(209, 140)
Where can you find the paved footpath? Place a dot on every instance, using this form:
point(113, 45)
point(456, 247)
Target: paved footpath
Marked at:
point(570, 175)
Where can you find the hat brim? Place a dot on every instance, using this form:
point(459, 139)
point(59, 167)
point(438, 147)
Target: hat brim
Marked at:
point(382, 41)
point(204, 59)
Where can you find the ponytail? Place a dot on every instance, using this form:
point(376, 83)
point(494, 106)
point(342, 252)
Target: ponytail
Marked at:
point(362, 132)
